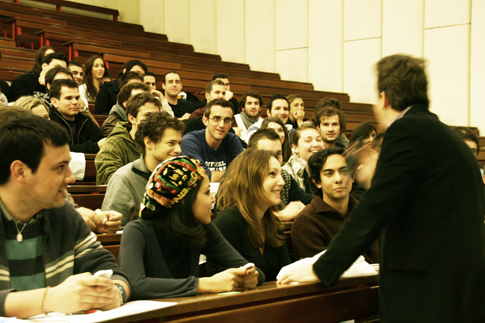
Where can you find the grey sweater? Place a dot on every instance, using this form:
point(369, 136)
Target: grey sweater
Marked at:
point(126, 188)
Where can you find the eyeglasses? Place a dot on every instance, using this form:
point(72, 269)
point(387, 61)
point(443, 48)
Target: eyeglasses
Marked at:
point(218, 120)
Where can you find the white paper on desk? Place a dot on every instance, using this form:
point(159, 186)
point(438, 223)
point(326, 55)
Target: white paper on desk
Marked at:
point(9, 320)
point(359, 268)
point(130, 308)
point(78, 165)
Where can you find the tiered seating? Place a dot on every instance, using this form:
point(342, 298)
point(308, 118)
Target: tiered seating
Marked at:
point(81, 36)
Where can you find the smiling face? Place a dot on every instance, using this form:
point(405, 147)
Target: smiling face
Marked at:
point(167, 147)
point(334, 182)
point(46, 187)
point(278, 129)
point(98, 69)
point(330, 129)
point(172, 85)
point(279, 108)
point(309, 143)
point(68, 103)
point(272, 184)
point(203, 203)
point(77, 73)
point(216, 131)
point(251, 107)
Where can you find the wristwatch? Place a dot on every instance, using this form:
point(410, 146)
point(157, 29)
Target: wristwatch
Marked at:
point(122, 292)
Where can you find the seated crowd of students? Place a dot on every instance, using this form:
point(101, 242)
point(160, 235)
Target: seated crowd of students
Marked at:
point(158, 154)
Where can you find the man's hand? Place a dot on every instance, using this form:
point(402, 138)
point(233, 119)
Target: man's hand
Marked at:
point(41, 78)
point(237, 130)
point(185, 116)
point(80, 292)
point(290, 211)
point(158, 94)
point(110, 221)
point(101, 142)
point(229, 95)
point(101, 221)
point(303, 273)
point(117, 301)
point(299, 116)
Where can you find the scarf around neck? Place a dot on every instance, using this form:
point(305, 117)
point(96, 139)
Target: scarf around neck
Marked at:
point(247, 120)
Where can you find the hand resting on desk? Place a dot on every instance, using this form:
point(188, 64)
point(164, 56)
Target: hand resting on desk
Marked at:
point(229, 280)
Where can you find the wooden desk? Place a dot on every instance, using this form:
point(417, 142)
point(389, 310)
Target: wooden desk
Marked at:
point(107, 239)
point(350, 298)
point(86, 189)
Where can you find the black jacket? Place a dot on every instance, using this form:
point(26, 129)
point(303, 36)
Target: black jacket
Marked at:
point(426, 206)
point(106, 98)
point(25, 84)
point(88, 133)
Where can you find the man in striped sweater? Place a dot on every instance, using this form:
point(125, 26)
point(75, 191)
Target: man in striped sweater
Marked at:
point(47, 252)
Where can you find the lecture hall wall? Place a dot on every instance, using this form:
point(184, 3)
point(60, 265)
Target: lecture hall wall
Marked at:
point(334, 44)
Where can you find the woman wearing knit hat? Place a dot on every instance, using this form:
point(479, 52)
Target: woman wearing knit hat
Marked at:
point(160, 250)
point(249, 196)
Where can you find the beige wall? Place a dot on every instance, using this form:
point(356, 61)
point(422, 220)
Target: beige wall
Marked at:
point(334, 44)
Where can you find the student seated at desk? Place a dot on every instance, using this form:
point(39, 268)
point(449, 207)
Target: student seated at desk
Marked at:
point(249, 197)
point(158, 138)
point(48, 252)
point(160, 251)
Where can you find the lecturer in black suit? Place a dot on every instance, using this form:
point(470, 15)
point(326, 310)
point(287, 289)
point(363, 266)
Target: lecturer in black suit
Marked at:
point(425, 206)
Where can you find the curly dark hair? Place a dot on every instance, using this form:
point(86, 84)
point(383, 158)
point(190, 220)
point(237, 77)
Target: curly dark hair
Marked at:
point(154, 126)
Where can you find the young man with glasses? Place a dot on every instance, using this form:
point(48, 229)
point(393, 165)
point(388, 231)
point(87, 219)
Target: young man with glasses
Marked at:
point(214, 146)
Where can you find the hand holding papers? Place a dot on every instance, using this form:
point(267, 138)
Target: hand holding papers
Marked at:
point(302, 271)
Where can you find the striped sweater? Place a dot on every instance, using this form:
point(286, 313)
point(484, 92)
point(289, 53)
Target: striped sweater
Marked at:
point(68, 248)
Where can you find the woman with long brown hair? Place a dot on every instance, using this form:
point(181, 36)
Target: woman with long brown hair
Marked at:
point(94, 74)
point(249, 197)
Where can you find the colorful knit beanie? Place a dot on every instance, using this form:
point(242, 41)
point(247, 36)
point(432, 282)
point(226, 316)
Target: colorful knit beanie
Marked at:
point(169, 183)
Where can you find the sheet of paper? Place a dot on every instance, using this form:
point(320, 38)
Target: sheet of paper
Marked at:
point(359, 268)
point(78, 165)
point(130, 308)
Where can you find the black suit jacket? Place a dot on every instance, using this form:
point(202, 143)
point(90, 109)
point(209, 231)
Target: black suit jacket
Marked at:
point(426, 206)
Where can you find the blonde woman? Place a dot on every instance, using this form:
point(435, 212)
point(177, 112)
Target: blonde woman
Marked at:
point(35, 105)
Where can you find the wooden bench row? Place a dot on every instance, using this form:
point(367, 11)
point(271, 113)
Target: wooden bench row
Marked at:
point(74, 20)
point(81, 6)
